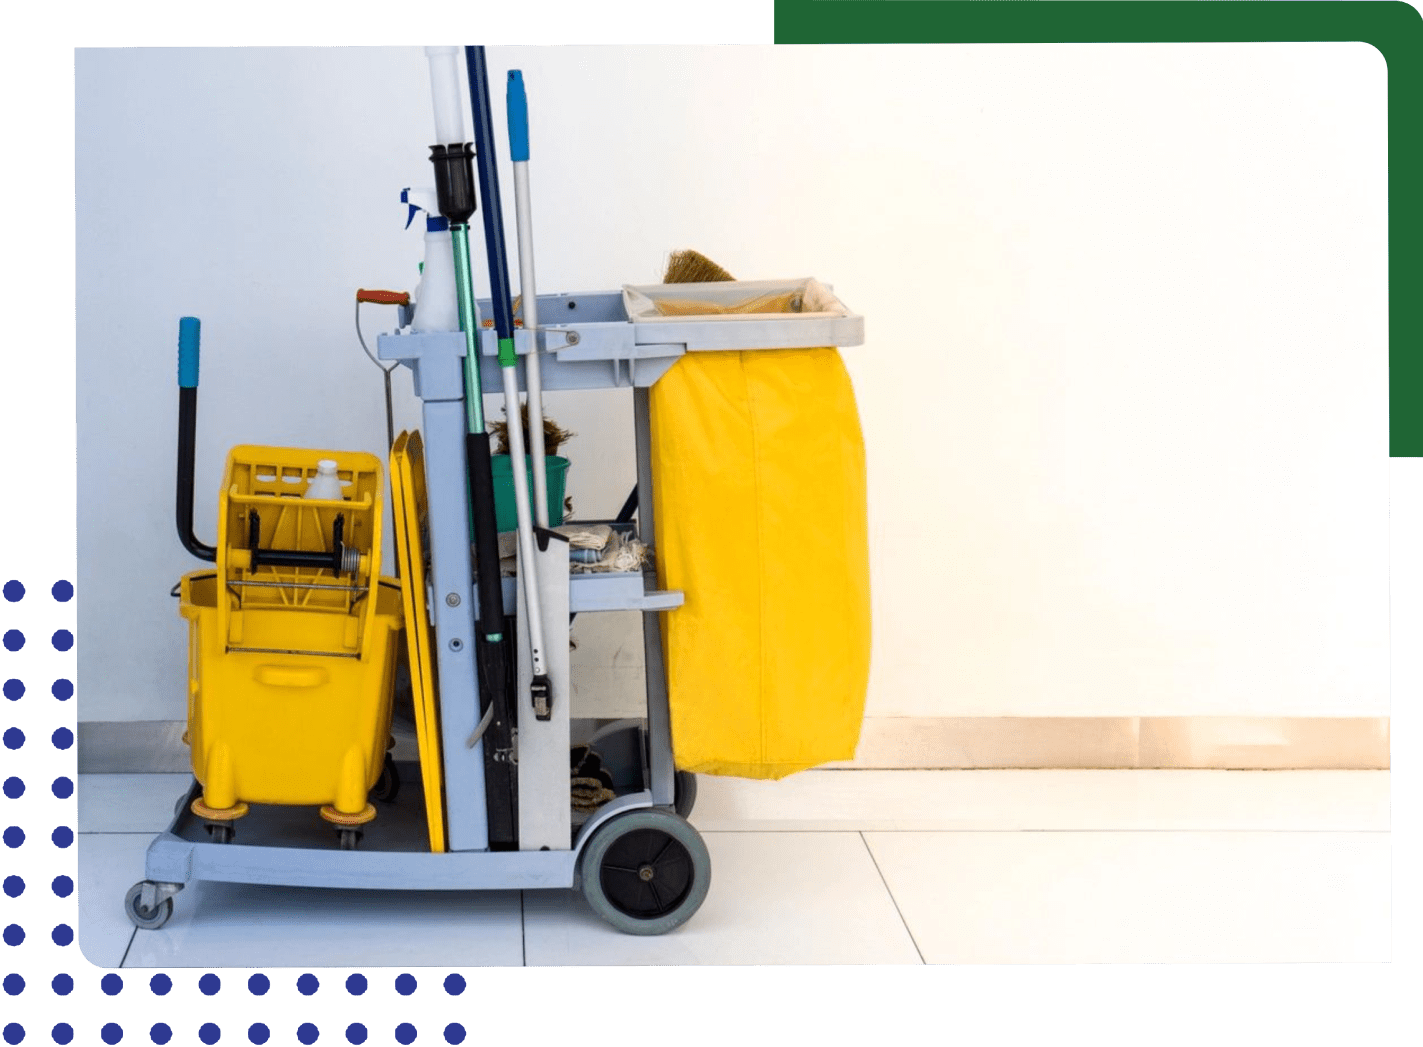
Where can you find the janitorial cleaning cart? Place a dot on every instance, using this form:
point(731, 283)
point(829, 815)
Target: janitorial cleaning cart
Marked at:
point(747, 550)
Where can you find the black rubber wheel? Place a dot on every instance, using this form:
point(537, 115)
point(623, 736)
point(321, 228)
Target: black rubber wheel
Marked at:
point(142, 918)
point(645, 871)
point(221, 832)
point(350, 838)
point(684, 793)
point(387, 786)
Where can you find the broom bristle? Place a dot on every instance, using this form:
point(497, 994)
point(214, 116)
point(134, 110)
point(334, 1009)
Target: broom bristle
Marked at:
point(693, 267)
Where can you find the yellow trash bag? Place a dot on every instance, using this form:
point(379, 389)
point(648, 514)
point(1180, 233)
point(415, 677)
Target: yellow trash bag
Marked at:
point(759, 479)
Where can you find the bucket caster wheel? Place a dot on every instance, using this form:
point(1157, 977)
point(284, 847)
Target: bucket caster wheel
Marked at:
point(645, 871)
point(350, 838)
point(387, 786)
point(151, 916)
point(221, 832)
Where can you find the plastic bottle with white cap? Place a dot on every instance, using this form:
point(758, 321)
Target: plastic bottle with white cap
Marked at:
point(325, 484)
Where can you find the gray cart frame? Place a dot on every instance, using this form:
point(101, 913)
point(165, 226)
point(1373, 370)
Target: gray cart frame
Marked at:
point(593, 346)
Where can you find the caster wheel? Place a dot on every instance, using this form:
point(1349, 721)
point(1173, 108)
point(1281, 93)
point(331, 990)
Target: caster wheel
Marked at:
point(646, 871)
point(143, 918)
point(684, 793)
point(350, 838)
point(387, 786)
point(221, 832)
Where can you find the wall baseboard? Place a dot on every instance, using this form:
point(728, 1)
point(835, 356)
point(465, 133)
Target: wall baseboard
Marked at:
point(1214, 742)
point(950, 743)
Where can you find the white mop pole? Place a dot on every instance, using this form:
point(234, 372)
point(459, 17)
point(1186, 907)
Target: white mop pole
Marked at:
point(518, 111)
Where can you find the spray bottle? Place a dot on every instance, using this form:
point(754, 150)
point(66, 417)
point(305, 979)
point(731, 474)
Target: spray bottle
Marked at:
point(436, 306)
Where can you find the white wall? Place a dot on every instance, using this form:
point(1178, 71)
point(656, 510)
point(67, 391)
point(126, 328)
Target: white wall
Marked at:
point(1124, 389)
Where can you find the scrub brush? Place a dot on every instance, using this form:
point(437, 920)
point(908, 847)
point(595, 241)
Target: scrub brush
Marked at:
point(693, 267)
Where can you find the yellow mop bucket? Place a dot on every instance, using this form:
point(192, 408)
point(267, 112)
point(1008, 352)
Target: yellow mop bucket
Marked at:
point(291, 668)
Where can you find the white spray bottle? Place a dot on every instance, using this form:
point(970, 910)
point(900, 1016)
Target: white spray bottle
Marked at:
point(436, 303)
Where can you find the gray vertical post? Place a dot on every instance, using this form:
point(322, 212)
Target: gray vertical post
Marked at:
point(452, 606)
point(659, 727)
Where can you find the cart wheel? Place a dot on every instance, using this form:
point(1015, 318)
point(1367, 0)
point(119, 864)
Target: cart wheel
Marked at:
point(350, 838)
point(387, 786)
point(143, 918)
point(684, 793)
point(221, 832)
point(646, 871)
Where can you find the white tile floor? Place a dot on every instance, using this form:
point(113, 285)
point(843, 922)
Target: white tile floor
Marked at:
point(848, 867)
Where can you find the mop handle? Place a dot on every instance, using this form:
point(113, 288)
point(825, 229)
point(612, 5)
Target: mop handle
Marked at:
point(517, 104)
point(488, 171)
point(489, 188)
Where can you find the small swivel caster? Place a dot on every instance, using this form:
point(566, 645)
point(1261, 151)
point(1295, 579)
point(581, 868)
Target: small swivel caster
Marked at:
point(148, 905)
point(221, 832)
point(350, 838)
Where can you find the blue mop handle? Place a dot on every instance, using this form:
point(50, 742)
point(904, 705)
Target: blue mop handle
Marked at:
point(486, 166)
point(517, 104)
point(189, 328)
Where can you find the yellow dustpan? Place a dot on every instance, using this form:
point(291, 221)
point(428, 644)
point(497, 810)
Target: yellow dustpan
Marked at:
point(407, 487)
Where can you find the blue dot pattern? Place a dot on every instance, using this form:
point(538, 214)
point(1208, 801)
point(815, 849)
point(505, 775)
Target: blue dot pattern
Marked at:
point(24, 793)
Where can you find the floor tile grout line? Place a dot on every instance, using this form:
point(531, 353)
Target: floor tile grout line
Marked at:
point(895, 901)
point(132, 937)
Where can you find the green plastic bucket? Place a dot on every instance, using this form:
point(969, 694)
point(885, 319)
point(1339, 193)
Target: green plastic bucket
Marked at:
point(505, 515)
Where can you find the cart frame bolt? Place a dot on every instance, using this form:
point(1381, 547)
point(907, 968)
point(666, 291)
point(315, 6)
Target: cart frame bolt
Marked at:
point(456, 644)
point(453, 599)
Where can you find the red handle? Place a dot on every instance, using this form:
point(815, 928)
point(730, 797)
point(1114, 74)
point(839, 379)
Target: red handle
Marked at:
point(383, 297)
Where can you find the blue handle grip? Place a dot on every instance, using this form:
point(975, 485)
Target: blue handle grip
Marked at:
point(518, 105)
point(188, 329)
